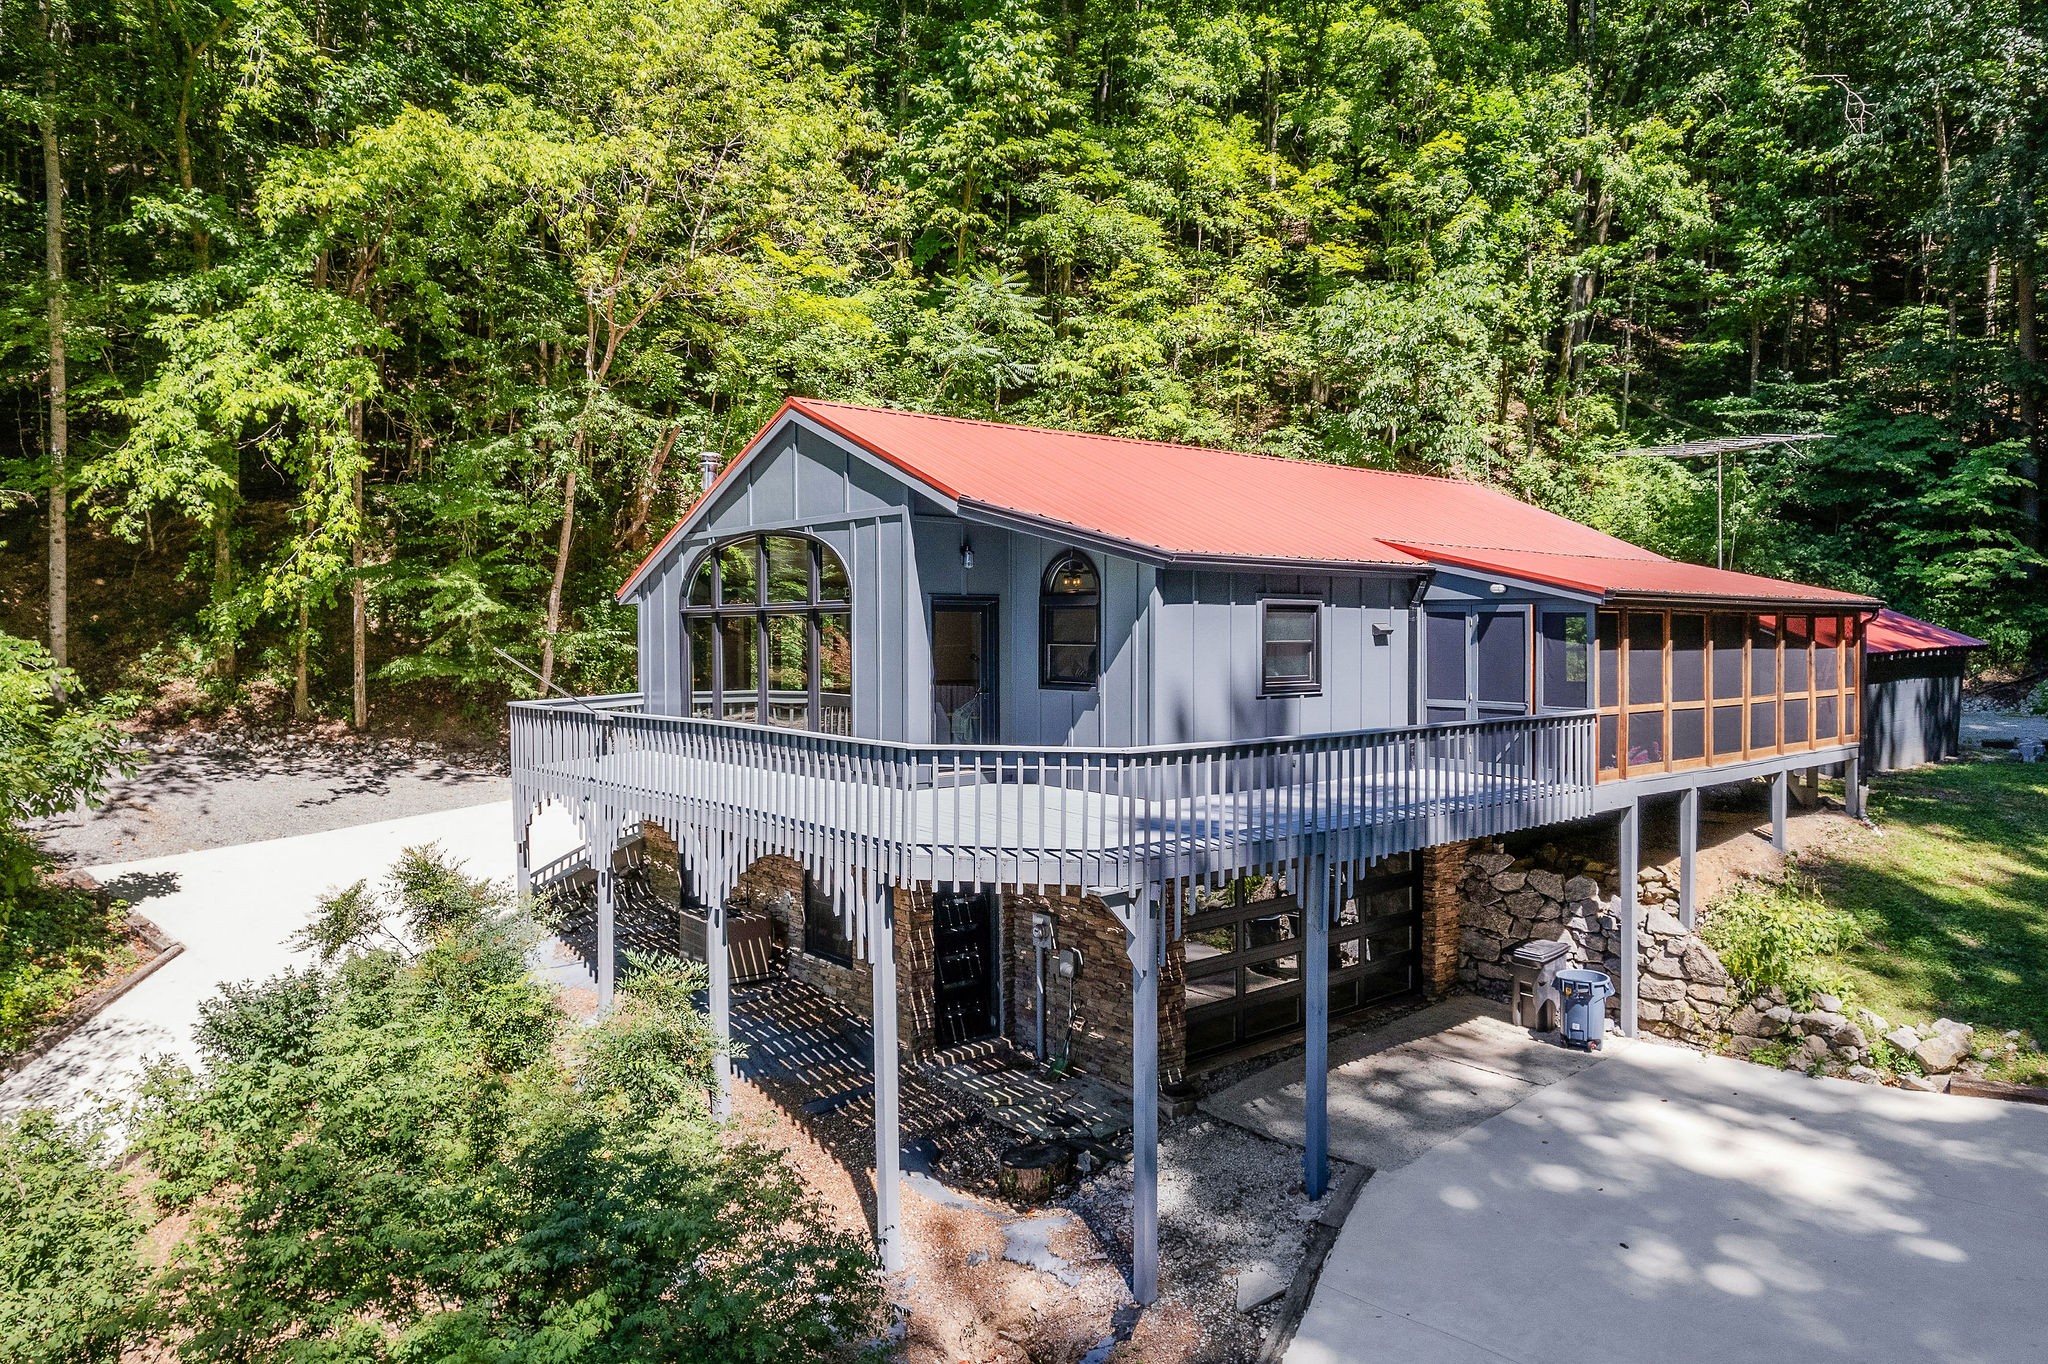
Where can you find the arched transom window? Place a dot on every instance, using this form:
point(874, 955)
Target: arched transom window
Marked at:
point(770, 627)
point(1070, 623)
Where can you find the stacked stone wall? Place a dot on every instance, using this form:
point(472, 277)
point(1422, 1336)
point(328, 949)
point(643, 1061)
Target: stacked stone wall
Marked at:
point(1682, 987)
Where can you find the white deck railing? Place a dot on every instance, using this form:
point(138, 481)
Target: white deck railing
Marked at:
point(1050, 817)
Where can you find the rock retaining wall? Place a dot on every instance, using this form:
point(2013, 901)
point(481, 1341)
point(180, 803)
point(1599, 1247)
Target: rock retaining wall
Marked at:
point(1683, 990)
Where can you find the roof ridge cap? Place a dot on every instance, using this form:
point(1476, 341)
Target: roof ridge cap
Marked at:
point(1156, 444)
point(1653, 555)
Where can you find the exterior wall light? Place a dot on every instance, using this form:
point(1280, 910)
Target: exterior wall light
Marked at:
point(966, 553)
point(1496, 588)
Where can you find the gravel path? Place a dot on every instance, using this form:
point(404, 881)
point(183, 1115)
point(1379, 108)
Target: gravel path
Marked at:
point(199, 791)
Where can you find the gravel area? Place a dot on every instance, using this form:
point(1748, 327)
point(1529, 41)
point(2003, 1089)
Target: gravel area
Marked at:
point(2008, 725)
point(1233, 1225)
point(215, 789)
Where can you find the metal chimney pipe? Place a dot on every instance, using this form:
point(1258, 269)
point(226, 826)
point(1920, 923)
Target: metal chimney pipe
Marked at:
point(707, 465)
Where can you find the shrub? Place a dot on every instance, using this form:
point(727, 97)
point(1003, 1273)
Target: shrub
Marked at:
point(412, 1154)
point(55, 751)
point(69, 1270)
point(2037, 700)
point(1780, 934)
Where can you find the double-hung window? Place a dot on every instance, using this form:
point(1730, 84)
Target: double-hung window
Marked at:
point(1290, 648)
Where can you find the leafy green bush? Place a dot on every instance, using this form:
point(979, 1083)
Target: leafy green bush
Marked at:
point(53, 942)
point(1780, 934)
point(2037, 700)
point(69, 1270)
point(413, 1154)
point(55, 751)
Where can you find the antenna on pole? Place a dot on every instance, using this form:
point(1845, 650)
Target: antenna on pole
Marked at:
point(1720, 448)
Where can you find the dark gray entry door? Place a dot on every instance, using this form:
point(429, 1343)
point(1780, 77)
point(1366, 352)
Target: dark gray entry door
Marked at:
point(964, 966)
point(963, 672)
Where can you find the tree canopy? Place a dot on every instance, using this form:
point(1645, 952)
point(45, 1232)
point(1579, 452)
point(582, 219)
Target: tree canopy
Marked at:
point(406, 313)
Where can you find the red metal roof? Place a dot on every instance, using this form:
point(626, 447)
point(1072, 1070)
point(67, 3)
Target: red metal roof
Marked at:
point(1647, 577)
point(1890, 632)
point(1190, 503)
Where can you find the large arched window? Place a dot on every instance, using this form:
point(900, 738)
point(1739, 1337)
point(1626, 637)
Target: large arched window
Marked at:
point(1070, 623)
point(770, 627)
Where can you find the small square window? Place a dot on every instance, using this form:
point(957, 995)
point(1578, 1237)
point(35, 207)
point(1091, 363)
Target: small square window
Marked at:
point(1290, 649)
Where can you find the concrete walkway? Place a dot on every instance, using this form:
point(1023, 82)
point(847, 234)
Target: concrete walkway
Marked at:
point(234, 908)
point(1667, 1205)
point(1398, 1091)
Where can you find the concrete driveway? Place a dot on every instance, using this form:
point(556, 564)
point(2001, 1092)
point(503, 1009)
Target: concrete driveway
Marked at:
point(1667, 1205)
point(234, 908)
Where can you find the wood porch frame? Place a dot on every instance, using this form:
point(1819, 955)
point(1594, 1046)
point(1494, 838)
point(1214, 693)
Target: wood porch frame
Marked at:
point(1132, 827)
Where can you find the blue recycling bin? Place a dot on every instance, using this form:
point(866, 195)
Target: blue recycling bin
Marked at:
point(1583, 995)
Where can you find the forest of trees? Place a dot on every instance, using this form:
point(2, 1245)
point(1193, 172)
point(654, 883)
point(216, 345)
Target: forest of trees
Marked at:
point(387, 333)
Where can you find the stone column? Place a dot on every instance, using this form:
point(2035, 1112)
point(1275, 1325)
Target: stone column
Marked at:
point(1443, 873)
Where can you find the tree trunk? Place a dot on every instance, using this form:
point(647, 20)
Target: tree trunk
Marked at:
point(643, 501)
point(358, 595)
point(181, 137)
point(1756, 347)
point(302, 705)
point(53, 222)
point(223, 586)
point(554, 623)
point(2027, 336)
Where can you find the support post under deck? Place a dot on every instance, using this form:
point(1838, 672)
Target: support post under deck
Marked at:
point(607, 929)
point(1144, 951)
point(718, 966)
point(888, 1140)
point(1852, 786)
point(1630, 862)
point(1780, 788)
point(522, 854)
point(1315, 1103)
point(1688, 855)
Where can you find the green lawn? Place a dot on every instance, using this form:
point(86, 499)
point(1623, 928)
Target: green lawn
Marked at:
point(1953, 900)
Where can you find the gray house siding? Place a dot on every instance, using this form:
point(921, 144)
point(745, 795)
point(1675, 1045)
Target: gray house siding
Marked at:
point(1009, 567)
point(811, 484)
point(1205, 682)
point(1913, 708)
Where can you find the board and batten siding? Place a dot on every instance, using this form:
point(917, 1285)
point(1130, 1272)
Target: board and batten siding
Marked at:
point(1912, 708)
point(1206, 640)
point(809, 484)
point(1009, 567)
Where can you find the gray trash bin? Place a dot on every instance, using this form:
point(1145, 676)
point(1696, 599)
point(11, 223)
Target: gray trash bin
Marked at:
point(1584, 996)
point(1532, 983)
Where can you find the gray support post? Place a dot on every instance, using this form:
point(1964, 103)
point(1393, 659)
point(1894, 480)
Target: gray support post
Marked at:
point(1315, 975)
point(607, 927)
point(1852, 786)
point(1780, 788)
point(1144, 951)
point(1688, 855)
point(1630, 862)
point(718, 966)
point(522, 855)
point(888, 1156)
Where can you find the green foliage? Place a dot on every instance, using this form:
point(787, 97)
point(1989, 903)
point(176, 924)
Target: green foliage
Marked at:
point(1952, 901)
point(2037, 700)
point(513, 261)
point(54, 754)
point(411, 1154)
point(70, 1274)
point(1781, 934)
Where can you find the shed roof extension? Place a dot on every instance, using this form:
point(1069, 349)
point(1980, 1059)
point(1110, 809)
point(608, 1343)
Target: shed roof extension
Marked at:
point(1190, 505)
point(1893, 632)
